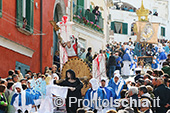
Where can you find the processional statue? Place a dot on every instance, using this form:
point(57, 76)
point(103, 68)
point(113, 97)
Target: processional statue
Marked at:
point(70, 51)
point(147, 32)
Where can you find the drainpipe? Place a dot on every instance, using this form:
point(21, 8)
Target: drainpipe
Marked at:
point(71, 11)
point(41, 15)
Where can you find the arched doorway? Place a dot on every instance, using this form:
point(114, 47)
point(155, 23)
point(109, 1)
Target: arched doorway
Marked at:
point(58, 13)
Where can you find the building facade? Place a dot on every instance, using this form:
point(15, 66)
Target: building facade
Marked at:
point(123, 16)
point(27, 39)
point(91, 33)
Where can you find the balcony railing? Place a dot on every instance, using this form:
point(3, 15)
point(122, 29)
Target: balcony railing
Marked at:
point(87, 18)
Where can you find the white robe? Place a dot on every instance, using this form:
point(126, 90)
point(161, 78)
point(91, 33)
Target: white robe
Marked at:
point(47, 104)
point(126, 68)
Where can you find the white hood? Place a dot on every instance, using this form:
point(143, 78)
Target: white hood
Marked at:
point(94, 84)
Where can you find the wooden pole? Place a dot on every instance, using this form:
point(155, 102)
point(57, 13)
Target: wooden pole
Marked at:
point(71, 16)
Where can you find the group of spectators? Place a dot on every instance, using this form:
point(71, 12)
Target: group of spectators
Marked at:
point(147, 83)
point(130, 9)
point(31, 85)
point(25, 93)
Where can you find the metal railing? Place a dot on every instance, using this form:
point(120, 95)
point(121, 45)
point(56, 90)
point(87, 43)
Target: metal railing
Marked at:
point(87, 18)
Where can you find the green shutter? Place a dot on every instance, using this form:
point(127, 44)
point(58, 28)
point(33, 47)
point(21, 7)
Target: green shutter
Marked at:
point(162, 31)
point(0, 8)
point(91, 8)
point(125, 28)
point(112, 26)
point(80, 3)
point(30, 15)
point(19, 13)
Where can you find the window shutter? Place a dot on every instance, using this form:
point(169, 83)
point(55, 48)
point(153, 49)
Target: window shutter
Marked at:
point(112, 26)
point(80, 3)
point(30, 15)
point(125, 28)
point(0, 8)
point(162, 31)
point(19, 13)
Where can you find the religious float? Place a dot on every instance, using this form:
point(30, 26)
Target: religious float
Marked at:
point(146, 34)
point(70, 50)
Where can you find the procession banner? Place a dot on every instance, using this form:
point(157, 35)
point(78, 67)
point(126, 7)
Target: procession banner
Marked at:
point(141, 29)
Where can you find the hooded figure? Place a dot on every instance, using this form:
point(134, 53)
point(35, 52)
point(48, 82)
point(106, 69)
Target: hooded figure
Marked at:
point(21, 100)
point(36, 95)
point(127, 62)
point(94, 93)
point(162, 57)
point(117, 84)
point(110, 94)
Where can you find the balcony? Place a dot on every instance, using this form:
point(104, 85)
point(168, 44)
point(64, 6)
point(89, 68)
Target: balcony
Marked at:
point(87, 18)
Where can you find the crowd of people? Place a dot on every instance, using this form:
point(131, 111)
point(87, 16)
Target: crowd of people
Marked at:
point(35, 92)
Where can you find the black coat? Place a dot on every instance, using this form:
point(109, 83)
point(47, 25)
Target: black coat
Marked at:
point(112, 61)
point(136, 109)
point(163, 93)
point(152, 104)
point(76, 93)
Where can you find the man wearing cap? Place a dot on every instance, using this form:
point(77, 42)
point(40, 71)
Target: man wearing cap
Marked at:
point(138, 75)
point(21, 100)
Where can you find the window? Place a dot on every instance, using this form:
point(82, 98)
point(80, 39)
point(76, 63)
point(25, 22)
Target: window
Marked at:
point(0, 8)
point(162, 31)
point(22, 67)
point(80, 3)
point(119, 27)
point(25, 14)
